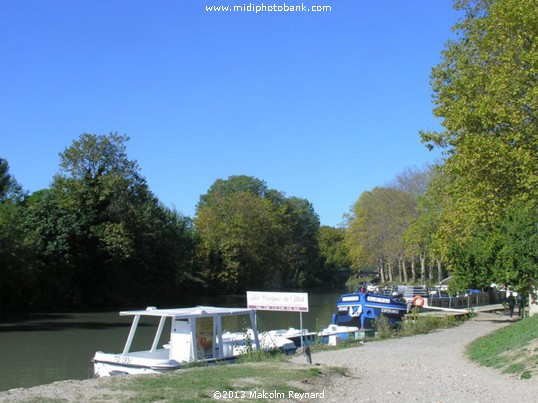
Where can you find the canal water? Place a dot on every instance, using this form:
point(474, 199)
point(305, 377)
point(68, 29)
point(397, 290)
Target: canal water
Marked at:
point(45, 348)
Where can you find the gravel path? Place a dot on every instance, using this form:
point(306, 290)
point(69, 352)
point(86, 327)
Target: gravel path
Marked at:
point(424, 368)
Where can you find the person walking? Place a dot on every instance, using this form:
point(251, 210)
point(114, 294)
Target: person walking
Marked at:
point(522, 303)
point(511, 303)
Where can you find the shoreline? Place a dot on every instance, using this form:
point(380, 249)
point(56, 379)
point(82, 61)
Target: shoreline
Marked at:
point(421, 368)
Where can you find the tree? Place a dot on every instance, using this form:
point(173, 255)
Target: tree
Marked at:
point(101, 237)
point(334, 252)
point(234, 184)
point(306, 268)
point(244, 242)
point(413, 180)
point(506, 254)
point(9, 187)
point(486, 92)
point(421, 237)
point(253, 236)
point(52, 234)
point(14, 274)
point(332, 247)
point(376, 226)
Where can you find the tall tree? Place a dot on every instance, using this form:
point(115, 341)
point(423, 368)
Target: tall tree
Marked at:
point(335, 254)
point(253, 236)
point(306, 267)
point(15, 278)
point(243, 242)
point(9, 187)
point(486, 92)
point(111, 240)
point(376, 226)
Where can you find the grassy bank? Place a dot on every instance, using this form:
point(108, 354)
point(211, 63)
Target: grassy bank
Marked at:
point(247, 382)
point(512, 349)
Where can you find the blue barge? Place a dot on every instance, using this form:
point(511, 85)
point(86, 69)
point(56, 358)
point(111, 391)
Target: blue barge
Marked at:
point(361, 309)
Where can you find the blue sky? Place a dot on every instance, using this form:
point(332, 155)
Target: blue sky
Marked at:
point(322, 106)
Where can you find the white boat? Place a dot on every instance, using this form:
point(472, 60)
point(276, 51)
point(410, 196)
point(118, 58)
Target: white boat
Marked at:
point(295, 335)
point(340, 332)
point(241, 342)
point(196, 334)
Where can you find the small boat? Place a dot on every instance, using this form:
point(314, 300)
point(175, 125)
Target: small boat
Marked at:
point(241, 342)
point(196, 334)
point(299, 337)
point(343, 333)
point(361, 309)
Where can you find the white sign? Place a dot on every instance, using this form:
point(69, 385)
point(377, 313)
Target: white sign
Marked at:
point(277, 301)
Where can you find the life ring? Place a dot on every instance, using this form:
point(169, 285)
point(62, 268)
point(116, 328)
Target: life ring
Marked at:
point(418, 300)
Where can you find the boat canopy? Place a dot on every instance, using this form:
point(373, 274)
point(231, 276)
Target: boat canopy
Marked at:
point(197, 311)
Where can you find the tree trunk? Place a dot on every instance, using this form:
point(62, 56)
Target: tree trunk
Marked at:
point(439, 269)
point(380, 269)
point(400, 271)
point(413, 271)
point(389, 271)
point(404, 270)
point(423, 268)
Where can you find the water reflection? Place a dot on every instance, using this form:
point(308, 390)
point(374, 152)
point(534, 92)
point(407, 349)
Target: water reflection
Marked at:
point(46, 348)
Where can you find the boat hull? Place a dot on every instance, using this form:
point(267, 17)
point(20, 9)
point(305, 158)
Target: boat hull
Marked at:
point(364, 309)
point(300, 338)
point(343, 333)
point(105, 364)
point(195, 336)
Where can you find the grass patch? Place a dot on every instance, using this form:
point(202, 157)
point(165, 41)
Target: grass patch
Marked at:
point(200, 384)
point(415, 323)
point(514, 368)
point(526, 375)
point(274, 355)
point(512, 348)
point(420, 324)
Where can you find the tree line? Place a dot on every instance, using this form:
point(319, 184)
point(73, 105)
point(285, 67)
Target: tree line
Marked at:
point(98, 237)
point(477, 216)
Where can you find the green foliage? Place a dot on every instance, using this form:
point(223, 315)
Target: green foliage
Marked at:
point(383, 328)
point(252, 355)
point(252, 236)
point(9, 187)
point(505, 253)
point(526, 375)
point(335, 254)
point(376, 226)
point(486, 92)
point(99, 237)
point(416, 324)
point(243, 241)
point(15, 278)
point(332, 247)
point(413, 324)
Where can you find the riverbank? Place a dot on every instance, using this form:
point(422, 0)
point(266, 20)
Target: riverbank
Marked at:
point(424, 368)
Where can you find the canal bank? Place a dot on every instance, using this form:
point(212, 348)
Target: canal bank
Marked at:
point(50, 347)
point(422, 368)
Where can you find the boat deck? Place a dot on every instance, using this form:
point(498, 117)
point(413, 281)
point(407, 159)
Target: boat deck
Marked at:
point(458, 312)
point(158, 354)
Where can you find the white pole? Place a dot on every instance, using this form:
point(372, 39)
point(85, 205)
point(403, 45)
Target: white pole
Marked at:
point(301, 325)
point(131, 334)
